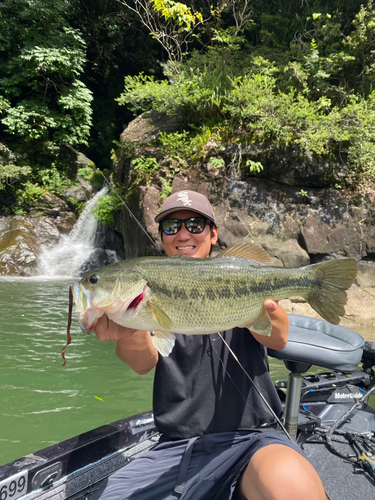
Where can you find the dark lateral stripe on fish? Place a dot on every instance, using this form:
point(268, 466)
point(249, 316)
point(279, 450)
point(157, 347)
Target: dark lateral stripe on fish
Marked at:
point(274, 283)
point(158, 288)
point(238, 290)
point(179, 293)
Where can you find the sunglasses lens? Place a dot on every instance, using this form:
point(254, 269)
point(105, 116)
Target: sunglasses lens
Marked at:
point(171, 226)
point(195, 225)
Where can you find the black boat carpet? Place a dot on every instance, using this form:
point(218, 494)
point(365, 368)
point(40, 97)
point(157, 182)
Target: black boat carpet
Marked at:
point(339, 476)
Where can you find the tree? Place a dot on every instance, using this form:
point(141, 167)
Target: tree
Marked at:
point(47, 106)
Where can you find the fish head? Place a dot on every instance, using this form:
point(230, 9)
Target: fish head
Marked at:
point(117, 293)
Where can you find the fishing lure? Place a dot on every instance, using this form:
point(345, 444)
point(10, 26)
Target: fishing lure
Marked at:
point(69, 337)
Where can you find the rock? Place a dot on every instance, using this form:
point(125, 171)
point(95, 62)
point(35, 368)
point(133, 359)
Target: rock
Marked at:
point(64, 222)
point(286, 165)
point(21, 241)
point(83, 192)
point(289, 253)
point(150, 199)
point(315, 237)
point(45, 231)
point(147, 128)
point(366, 274)
point(19, 247)
point(49, 204)
point(360, 307)
point(83, 161)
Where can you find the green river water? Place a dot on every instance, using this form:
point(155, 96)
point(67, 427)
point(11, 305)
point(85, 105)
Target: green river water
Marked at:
point(42, 402)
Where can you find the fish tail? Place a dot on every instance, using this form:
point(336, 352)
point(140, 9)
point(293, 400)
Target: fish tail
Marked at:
point(334, 278)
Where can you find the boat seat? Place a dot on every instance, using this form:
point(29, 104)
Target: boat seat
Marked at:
point(316, 342)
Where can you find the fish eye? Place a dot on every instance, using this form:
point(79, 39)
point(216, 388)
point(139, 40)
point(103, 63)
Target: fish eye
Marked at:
point(94, 278)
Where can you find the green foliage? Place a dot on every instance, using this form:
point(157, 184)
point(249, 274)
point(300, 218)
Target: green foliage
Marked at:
point(145, 167)
point(86, 173)
point(44, 104)
point(319, 101)
point(30, 193)
point(179, 12)
point(47, 101)
point(166, 188)
point(11, 168)
point(177, 146)
point(185, 99)
point(254, 166)
point(292, 74)
point(217, 162)
point(51, 179)
point(106, 208)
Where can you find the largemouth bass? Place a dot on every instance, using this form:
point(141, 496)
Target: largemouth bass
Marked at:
point(202, 296)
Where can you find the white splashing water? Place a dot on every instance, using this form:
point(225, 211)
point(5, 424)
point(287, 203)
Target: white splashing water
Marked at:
point(77, 252)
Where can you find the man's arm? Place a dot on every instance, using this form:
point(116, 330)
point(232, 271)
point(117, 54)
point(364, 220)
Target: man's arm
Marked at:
point(280, 327)
point(134, 347)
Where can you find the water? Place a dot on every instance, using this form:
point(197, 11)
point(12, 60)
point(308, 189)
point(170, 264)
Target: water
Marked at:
point(42, 402)
point(73, 252)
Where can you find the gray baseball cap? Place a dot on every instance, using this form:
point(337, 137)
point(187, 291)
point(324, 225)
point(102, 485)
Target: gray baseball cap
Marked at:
point(186, 200)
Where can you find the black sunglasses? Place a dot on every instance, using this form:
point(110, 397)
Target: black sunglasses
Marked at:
point(195, 225)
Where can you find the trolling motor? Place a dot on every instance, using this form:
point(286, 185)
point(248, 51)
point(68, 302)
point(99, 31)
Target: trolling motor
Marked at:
point(316, 342)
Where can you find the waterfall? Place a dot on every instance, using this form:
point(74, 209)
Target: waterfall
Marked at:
point(79, 251)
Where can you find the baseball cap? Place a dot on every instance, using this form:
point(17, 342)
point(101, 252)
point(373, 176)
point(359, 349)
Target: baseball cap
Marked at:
point(187, 200)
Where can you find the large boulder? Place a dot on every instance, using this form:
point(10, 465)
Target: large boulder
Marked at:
point(19, 247)
point(22, 239)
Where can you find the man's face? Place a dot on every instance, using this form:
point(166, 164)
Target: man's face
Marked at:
point(185, 243)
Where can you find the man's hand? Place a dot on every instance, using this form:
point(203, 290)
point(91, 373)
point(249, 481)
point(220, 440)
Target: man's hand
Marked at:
point(107, 329)
point(134, 347)
point(280, 326)
point(270, 305)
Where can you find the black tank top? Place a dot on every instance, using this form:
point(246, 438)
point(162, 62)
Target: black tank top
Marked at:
point(199, 388)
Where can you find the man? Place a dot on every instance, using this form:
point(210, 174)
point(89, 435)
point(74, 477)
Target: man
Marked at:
point(215, 443)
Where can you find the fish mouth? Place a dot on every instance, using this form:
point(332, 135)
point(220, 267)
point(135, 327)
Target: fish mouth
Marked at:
point(117, 310)
point(87, 315)
point(89, 320)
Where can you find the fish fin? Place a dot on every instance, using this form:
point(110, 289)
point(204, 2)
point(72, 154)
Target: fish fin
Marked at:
point(262, 324)
point(161, 317)
point(335, 276)
point(249, 251)
point(163, 341)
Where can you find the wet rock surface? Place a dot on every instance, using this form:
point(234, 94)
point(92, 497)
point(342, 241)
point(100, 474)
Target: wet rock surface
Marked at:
point(19, 246)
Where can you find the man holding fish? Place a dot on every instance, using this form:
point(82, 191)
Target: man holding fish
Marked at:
point(217, 436)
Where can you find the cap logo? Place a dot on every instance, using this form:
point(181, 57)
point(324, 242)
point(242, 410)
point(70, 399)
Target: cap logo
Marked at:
point(184, 198)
